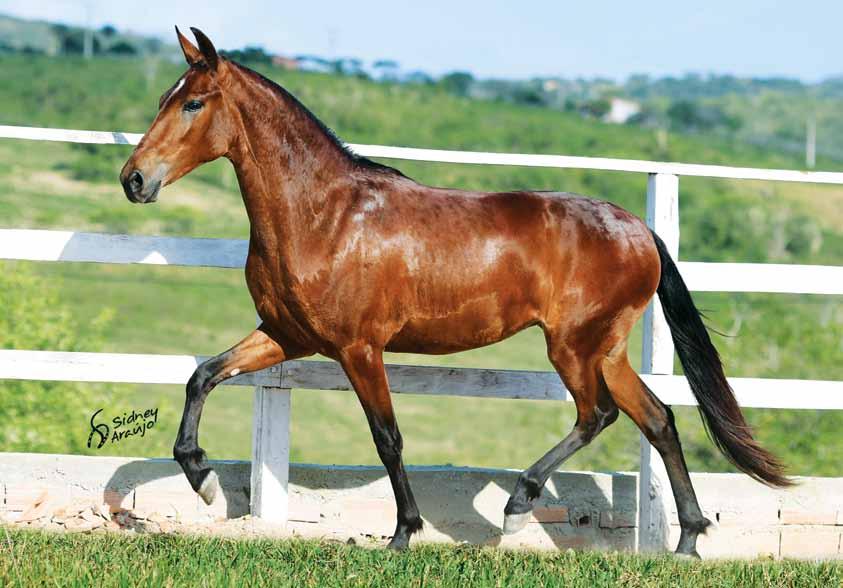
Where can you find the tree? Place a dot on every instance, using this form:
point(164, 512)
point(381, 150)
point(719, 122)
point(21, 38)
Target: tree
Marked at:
point(123, 48)
point(457, 82)
point(597, 108)
point(387, 69)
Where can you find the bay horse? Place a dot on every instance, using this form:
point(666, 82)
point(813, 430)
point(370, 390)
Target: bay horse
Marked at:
point(350, 258)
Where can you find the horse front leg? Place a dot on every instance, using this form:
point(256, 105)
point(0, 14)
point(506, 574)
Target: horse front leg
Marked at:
point(257, 351)
point(364, 367)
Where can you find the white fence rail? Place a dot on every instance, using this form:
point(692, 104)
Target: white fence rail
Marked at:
point(271, 443)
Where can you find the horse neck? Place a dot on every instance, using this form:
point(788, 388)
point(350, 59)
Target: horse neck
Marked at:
point(286, 164)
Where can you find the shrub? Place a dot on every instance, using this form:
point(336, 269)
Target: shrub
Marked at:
point(43, 416)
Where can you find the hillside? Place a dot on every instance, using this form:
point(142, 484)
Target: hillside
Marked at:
point(169, 310)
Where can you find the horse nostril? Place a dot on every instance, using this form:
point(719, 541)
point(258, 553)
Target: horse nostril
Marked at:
point(136, 181)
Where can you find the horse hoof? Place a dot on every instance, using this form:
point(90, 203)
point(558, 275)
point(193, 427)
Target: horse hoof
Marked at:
point(512, 523)
point(398, 544)
point(209, 486)
point(693, 556)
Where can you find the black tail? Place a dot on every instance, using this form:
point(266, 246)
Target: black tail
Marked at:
point(721, 414)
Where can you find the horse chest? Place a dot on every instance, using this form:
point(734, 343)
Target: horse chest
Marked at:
point(276, 303)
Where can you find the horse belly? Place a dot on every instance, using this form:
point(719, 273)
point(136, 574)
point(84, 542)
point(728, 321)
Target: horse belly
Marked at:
point(473, 323)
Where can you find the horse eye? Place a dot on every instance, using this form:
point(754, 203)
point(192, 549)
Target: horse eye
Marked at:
point(192, 106)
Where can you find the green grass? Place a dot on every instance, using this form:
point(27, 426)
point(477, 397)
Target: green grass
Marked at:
point(38, 558)
point(204, 311)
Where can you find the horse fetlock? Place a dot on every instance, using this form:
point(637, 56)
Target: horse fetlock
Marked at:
point(185, 454)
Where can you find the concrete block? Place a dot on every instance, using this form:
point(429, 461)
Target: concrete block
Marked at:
point(304, 511)
point(808, 517)
point(617, 520)
point(810, 541)
point(170, 503)
point(116, 500)
point(19, 497)
point(375, 517)
point(734, 542)
point(578, 510)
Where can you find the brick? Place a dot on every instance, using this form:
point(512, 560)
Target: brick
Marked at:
point(819, 541)
point(550, 514)
point(808, 517)
point(751, 518)
point(585, 520)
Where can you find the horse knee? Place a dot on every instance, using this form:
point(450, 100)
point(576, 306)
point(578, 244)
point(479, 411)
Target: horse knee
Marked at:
point(199, 382)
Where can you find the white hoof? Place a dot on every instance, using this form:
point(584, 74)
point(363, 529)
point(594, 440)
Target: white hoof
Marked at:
point(515, 522)
point(208, 488)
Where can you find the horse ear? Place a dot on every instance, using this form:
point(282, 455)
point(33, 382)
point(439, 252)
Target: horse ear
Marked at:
point(206, 48)
point(191, 53)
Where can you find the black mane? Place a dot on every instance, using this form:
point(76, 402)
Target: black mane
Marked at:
point(359, 160)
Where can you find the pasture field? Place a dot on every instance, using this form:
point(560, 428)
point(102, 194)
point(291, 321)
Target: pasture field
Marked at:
point(40, 558)
point(204, 311)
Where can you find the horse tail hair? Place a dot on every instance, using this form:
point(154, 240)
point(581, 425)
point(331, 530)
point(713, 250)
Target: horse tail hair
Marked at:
point(718, 407)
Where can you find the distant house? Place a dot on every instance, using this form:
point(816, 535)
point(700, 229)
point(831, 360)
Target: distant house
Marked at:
point(288, 63)
point(621, 110)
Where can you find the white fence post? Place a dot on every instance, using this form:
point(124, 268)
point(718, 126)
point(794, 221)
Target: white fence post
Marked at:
point(271, 453)
point(654, 495)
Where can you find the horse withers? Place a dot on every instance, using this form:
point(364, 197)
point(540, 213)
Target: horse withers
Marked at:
point(350, 258)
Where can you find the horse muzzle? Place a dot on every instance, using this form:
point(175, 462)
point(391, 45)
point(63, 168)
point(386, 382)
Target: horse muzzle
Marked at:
point(137, 188)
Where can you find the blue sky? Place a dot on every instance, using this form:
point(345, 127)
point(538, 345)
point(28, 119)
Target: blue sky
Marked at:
point(496, 38)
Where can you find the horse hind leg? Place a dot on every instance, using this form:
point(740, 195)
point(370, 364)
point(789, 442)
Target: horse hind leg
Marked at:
point(655, 420)
point(595, 411)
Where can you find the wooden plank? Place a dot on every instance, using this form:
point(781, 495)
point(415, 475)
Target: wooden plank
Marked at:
point(654, 496)
point(72, 366)
point(476, 157)
point(42, 245)
point(433, 380)
point(762, 277)
point(69, 135)
point(47, 245)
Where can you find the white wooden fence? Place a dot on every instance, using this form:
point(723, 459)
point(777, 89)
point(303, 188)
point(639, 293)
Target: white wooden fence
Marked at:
point(270, 451)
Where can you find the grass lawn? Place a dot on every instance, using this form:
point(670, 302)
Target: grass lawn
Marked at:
point(39, 559)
